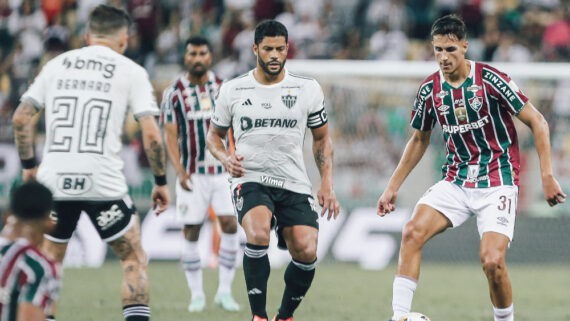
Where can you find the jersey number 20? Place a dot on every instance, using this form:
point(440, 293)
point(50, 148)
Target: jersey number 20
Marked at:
point(92, 123)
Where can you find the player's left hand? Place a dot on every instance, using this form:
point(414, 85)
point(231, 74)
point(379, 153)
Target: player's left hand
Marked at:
point(29, 174)
point(160, 198)
point(327, 199)
point(552, 190)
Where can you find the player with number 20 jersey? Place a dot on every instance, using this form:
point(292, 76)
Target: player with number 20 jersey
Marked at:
point(85, 94)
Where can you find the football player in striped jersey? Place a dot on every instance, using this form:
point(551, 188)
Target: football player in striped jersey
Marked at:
point(474, 103)
point(186, 109)
point(29, 279)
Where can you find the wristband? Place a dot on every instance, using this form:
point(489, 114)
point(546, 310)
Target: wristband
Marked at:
point(160, 180)
point(28, 163)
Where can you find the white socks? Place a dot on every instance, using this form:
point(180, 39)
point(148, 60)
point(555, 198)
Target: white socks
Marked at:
point(227, 261)
point(192, 268)
point(504, 314)
point(402, 295)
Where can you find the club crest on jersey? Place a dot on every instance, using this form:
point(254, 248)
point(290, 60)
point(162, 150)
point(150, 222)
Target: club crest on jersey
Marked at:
point(289, 100)
point(476, 102)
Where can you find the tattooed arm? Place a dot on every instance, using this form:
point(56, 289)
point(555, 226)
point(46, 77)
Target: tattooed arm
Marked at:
point(323, 152)
point(152, 141)
point(24, 135)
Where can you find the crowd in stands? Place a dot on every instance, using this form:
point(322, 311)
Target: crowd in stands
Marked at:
point(32, 31)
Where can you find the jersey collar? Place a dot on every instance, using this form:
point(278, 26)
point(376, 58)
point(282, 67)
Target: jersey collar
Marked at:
point(285, 78)
point(468, 81)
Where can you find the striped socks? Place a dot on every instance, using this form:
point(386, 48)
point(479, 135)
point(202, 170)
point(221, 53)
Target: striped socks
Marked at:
point(192, 268)
point(136, 312)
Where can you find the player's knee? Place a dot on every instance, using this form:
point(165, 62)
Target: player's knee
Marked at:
point(228, 224)
point(413, 235)
point(493, 264)
point(303, 251)
point(258, 236)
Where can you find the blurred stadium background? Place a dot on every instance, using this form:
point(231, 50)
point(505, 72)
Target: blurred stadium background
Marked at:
point(369, 56)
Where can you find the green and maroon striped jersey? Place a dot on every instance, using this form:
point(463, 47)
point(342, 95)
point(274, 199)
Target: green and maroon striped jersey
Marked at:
point(26, 275)
point(476, 120)
point(190, 107)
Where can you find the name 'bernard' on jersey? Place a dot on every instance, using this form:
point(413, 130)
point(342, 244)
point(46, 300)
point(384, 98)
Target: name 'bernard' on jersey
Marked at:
point(269, 124)
point(476, 120)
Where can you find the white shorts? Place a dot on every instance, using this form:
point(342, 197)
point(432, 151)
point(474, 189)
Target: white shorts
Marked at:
point(495, 207)
point(192, 206)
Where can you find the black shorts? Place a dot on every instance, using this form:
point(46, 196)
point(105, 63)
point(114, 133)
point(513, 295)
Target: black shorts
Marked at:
point(111, 219)
point(288, 208)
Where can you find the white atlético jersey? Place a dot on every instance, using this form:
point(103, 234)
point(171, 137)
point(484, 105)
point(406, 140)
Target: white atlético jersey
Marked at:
point(86, 94)
point(269, 124)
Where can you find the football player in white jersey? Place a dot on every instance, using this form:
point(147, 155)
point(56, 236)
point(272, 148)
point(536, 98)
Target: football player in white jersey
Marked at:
point(86, 94)
point(269, 110)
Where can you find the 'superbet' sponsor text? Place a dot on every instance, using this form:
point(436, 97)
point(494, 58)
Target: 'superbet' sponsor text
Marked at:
point(463, 128)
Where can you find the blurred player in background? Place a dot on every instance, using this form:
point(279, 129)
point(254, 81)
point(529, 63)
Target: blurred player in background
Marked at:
point(86, 94)
point(186, 110)
point(474, 103)
point(28, 278)
point(269, 110)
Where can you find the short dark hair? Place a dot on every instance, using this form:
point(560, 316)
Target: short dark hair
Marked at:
point(198, 41)
point(106, 20)
point(449, 25)
point(31, 201)
point(270, 28)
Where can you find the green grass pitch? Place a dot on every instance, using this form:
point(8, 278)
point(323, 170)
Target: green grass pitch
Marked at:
point(340, 292)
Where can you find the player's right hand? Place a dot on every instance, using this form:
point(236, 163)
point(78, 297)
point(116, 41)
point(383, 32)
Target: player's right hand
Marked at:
point(185, 180)
point(386, 202)
point(29, 174)
point(234, 165)
point(552, 191)
point(160, 198)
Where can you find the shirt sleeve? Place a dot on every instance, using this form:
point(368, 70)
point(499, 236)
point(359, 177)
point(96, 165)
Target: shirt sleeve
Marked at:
point(222, 117)
point(422, 116)
point(317, 113)
point(141, 96)
point(36, 93)
point(167, 107)
point(41, 288)
point(505, 90)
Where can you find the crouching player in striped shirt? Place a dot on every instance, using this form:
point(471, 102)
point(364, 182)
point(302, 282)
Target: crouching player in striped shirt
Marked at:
point(29, 280)
point(474, 103)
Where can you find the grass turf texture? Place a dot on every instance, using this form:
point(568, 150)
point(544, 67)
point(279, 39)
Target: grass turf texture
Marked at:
point(339, 292)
